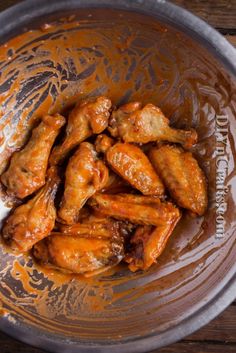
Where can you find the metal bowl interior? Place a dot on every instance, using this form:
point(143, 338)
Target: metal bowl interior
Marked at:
point(149, 51)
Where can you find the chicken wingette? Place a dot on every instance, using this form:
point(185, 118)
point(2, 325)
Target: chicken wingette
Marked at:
point(84, 249)
point(143, 210)
point(148, 243)
point(132, 164)
point(182, 176)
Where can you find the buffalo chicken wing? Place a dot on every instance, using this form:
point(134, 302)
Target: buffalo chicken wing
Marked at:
point(131, 163)
point(83, 250)
point(182, 176)
point(142, 125)
point(27, 169)
point(34, 220)
point(85, 174)
point(137, 209)
point(88, 117)
point(148, 243)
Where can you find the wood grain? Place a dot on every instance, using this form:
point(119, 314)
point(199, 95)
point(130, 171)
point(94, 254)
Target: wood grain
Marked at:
point(219, 13)
point(219, 335)
point(198, 347)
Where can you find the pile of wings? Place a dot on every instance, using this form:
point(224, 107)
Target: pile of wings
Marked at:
point(112, 188)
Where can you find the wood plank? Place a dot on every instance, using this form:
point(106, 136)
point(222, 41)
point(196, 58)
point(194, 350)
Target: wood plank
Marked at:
point(220, 13)
point(6, 3)
point(222, 329)
point(198, 347)
point(9, 345)
point(209, 339)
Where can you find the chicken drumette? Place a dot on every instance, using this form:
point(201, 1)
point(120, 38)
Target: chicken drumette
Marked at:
point(182, 176)
point(131, 163)
point(84, 249)
point(85, 174)
point(132, 123)
point(34, 220)
point(87, 118)
point(27, 169)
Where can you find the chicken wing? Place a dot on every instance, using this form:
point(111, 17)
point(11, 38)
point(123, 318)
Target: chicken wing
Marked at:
point(95, 228)
point(144, 210)
point(182, 176)
point(103, 143)
point(131, 163)
point(148, 243)
point(85, 174)
point(83, 253)
point(88, 117)
point(27, 169)
point(116, 185)
point(33, 221)
point(142, 125)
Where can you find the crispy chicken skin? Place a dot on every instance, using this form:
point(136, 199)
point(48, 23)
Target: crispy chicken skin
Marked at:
point(34, 220)
point(82, 253)
point(143, 210)
point(27, 170)
point(87, 118)
point(148, 243)
point(115, 185)
point(182, 176)
point(103, 143)
point(131, 163)
point(142, 125)
point(85, 174)
point(95, 228)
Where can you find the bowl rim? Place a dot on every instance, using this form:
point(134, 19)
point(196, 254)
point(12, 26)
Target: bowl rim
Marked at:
point(25, 12)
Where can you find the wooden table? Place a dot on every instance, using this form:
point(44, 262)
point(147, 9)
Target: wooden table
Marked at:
point(220, 334)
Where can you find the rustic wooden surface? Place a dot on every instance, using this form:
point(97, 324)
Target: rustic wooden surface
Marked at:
point(219, 335)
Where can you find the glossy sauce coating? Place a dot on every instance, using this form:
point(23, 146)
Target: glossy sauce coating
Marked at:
point(182, 176)
point(166, 68)
point(134, 208)
point(142, 125)
point(85, 174)
point(34, 220)
point(132, 164)
point(87, 118)
point(27, 170)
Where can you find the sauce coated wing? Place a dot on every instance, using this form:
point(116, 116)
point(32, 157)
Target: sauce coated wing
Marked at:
point(82, 253)
point(132, 164)
point(103, 143)
point(148, 243)
point(27, 170)
point(88, 117)
point(182, 176)
point(142, 125)
point(34, 220)
point(115, 185)
point(85, 174)
point(145, 210)
point(95, 228)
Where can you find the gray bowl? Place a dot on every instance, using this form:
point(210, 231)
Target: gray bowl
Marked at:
point(156, 52)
